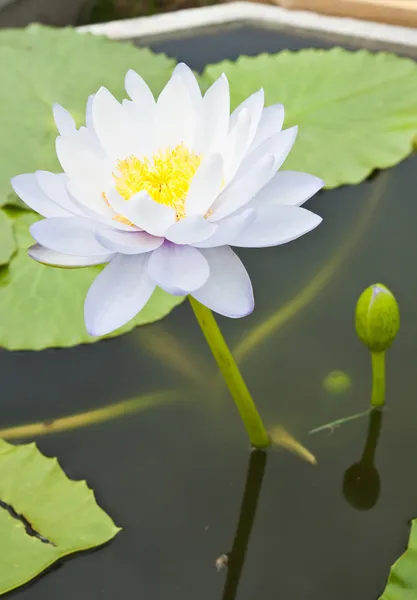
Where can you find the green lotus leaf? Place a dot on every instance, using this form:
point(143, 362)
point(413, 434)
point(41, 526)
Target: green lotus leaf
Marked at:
point(356, 111)
point(402, 581)
point(42, 307)
point(44, 516)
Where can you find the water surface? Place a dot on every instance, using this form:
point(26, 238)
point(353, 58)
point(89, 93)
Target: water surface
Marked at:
point(173, 476)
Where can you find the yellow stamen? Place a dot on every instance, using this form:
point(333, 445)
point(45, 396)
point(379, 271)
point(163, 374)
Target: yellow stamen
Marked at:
point(166, 176)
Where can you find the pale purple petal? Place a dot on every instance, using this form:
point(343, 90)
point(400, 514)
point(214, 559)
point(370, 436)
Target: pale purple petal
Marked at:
point(242, 189)
point(55, 187)
point(190, 230)
point(228, 290)
point(64, 122)
point(178, 267)
point(118, 293)
point(135, 242)
point(228, 229)
point(205, 186)
point(144, 212)
point(65, 261)
point(278, 224)
point(28, 189)
point(70, 235)
point(288, 187)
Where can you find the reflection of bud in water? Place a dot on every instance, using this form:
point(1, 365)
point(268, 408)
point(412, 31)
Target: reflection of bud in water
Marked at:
point(377, 317)
point(337, 382)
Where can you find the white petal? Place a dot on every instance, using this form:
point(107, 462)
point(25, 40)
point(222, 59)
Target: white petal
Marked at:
point(254, 104)
point(236, 145)
point(228, 229)
point(215, 114)
point(288, 187)
point(228, 290)
point(205, 186)
point(117, 295)
point(244, 188)
point(190, 230)
point(88, 200)
point(55, 187)
point(112, 126)
point(271, 122)
point(100, 212)
point(141, 124)
point(65, 261)
point(175, 118)
point(144, 212)
point(178, 267)
point(138, 90)
point(279, 145)
point(89, 112)
point(64, 122)
point(136, 242)
point(28, 189)
point(190, 81)
point(275, 225)
point(70, 235)
point(80, 160)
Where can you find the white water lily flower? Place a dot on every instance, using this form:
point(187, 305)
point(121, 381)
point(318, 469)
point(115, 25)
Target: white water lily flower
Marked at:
point(161, 189)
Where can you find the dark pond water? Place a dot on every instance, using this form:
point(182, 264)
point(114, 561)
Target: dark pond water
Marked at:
point(174, 475)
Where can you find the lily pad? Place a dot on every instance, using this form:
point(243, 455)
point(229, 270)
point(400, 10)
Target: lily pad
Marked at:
point(402, 581)
point(42, 307)
point(356, 111)
point(44, 516)
point(40, 66)
point(7, 242)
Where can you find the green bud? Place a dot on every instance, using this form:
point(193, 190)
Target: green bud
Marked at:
point(377, 317)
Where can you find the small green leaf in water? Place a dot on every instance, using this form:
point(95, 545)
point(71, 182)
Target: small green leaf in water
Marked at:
point(337, 382)
point(356, 111)
point(44, 516)
point(42, 307)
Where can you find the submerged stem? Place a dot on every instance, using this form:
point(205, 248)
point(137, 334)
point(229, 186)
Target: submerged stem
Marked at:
point(258, 435)
point(378, 379)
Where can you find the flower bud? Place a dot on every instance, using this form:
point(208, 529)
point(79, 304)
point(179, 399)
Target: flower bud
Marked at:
point(377, 317)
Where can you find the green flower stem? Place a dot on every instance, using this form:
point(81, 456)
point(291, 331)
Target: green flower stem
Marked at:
point(378, 379)
point(258, 435)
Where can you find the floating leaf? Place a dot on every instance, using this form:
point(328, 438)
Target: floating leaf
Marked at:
point(356, 111)
point(43, 515)
point(40, 66)
point(42, 307)
point(7, 243)
point(402, 582)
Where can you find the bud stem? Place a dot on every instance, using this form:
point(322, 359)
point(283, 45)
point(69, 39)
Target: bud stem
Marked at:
point(378, 379)
point(258, 435)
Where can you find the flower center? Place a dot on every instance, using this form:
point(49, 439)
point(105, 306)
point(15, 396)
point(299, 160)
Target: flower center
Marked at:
point(166, 176)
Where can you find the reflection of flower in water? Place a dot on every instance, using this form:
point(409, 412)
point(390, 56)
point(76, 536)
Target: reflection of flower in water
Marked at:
point(361, 482)
point(160, 190)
